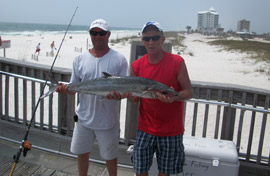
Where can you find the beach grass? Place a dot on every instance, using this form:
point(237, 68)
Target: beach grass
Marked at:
point(257, 50)
point(121, 40)
point(175, 38)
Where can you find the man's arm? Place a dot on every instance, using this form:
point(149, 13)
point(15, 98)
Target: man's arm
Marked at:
point(184, 81)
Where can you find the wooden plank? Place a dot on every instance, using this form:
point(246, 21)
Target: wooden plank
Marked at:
point(16, 96)
point(195, 113)
point(1, 94)
point(241, 121)
point(185, 111)
point(252, 124)
point(7, 98)
point(206, 112)
point(62, 111)
point(41, 106)
point(16, 99)
point(24, 98)
point(24, 102)
point(18, 166)
point(228, 119)
point(58, 173)
point(218, 115)
point(50, 112)
point(263, 127)
point(5, 164)
point(69, 114)
point(42, 171)
point(33, 99)
point(26, 169)
point(62, 108)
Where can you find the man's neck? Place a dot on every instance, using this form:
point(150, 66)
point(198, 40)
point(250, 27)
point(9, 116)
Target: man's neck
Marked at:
point(99, 52)
point(155, 57)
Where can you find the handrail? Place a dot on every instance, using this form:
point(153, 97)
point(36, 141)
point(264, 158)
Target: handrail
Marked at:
point(27, 77)
point(190, 100)
point(228, 105)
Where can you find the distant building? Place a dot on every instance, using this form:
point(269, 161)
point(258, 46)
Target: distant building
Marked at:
point(243, 26)
point(208, 21)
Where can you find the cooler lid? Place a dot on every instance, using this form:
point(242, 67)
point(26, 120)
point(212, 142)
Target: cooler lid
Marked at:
point(211, 149)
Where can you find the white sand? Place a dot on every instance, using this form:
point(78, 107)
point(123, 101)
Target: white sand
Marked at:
point(207, 63)
point(212, 64)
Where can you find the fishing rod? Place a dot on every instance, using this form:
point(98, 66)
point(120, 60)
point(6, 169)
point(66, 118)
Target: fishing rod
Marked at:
point(25, 146)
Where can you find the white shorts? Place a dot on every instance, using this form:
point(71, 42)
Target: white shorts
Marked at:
point(83, 140)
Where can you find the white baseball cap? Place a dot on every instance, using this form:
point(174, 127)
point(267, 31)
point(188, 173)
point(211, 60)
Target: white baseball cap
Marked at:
point(100, 23)
point(152, 23)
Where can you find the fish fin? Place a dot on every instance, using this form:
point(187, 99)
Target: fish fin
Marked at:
point(106, 75)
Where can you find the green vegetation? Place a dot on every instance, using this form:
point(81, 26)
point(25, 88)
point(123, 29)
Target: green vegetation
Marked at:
point(258, 50)
point(122, 40)
point(175, 38)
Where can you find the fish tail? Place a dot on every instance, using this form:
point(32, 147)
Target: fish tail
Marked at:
point(53, 86)
point(51, 91)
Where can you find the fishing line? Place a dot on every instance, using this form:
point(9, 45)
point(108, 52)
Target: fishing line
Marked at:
point(25, 146)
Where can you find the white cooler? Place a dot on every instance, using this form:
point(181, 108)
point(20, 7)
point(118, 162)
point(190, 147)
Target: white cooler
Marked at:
point(207, 157)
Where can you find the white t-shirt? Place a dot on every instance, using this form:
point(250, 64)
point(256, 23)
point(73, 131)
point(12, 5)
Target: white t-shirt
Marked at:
point(93, 111)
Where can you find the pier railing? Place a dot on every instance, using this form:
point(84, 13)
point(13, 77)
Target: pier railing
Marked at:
point(219, 111)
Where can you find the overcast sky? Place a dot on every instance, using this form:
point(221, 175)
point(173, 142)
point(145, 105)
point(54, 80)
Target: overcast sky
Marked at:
point(171, 14)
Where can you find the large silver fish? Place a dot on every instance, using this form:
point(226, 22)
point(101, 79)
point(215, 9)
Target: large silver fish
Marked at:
point(138, 86)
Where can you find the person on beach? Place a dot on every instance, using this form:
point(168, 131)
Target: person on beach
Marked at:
point(37, 49)
point(160, 123)
point(97, 118)
point(0, 41)
point(52, 48)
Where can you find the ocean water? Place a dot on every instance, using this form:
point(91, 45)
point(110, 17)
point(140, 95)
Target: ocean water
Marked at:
point(8, 28)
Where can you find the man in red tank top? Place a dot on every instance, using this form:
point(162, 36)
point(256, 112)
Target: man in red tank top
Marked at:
point(160, 123)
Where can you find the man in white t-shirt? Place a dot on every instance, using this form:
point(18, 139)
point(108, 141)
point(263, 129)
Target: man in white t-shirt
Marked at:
point(97, 118)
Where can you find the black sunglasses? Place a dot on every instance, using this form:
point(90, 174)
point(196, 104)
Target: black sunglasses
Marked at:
point(101, 33)
point(154, 38)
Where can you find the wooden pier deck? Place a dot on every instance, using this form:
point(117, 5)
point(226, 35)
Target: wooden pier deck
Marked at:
point(24, 168)
point(41, 163)
point(46, 163)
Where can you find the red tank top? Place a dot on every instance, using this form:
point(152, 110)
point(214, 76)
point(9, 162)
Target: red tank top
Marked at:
point(155, 117)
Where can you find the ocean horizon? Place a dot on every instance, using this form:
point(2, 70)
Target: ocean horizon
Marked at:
point(12, 28)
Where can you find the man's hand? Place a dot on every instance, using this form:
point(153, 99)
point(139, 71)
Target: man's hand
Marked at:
point(117, 96)
point(114, 96)
point(62, 88)
point(164, 98)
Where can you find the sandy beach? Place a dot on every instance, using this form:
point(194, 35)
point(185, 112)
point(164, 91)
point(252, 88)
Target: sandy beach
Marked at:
point(204, 62)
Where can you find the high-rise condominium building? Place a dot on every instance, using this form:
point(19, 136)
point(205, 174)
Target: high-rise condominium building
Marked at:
point(243, 26)
point(208, 21)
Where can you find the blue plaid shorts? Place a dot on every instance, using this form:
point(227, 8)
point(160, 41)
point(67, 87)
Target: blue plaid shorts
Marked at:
point(169, 152)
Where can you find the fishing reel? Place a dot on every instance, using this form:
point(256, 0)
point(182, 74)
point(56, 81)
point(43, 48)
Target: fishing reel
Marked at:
point(26, 147)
